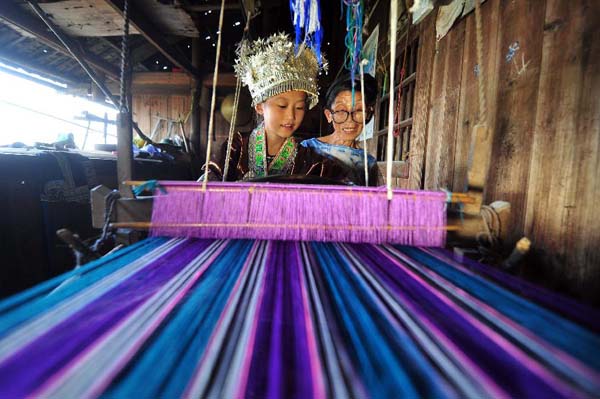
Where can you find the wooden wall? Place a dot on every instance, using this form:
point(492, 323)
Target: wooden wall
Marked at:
point(168, 95)
point(544, 110)
point(147, 107)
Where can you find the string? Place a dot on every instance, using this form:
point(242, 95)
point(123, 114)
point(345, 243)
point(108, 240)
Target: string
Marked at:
point(390, 138)
point(123, 106)
point(236, 102)
point(214, 92)
point(353, 40)
point(364, 130)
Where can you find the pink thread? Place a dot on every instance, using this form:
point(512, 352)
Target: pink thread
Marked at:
point(300, 213)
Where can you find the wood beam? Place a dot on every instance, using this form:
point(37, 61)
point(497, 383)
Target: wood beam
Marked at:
point(223, 80)
point(148, 30)
point(233, 5)
point(195, 138)
point(144, 51)
point(15, 61)
point(18, 18)
point(74, 50)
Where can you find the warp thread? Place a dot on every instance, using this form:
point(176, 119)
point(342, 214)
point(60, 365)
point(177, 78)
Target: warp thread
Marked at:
point(306, 214)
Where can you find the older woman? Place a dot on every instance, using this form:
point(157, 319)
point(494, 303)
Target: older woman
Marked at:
point(345, 112)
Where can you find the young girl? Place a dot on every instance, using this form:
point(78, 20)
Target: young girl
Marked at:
point(283, 86)
point(346, 116)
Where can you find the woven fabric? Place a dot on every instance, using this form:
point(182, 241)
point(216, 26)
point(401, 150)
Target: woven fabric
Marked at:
point(269, 319)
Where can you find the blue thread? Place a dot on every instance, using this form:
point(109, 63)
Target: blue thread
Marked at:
point(150, 185)
point(378, 345)
point(512, 50)
point(181, 341)
point(563, 333)
point(21, 307)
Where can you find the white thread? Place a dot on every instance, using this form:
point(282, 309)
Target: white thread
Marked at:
point(214, 93)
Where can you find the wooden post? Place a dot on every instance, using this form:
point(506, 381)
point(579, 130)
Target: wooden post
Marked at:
point(124, 153)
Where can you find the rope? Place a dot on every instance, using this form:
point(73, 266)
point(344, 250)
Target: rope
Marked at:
point(364, 131)
point(109, 205)
point(488, 242)
point(480, 80)
point(214, 92)
point(123, 106)
point(236, 101)
point(390, 138)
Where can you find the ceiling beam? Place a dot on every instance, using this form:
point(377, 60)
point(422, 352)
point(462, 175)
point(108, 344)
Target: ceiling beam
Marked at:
point(232, 5)
point(17, 61)
point(142, 52)
point(75, 51)
point(148, 30)
point(22, 20)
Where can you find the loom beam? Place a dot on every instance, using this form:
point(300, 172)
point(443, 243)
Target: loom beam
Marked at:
point(125, 209)
point(131, 211)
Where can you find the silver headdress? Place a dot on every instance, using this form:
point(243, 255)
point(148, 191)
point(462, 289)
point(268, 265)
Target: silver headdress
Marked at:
point(270, 67)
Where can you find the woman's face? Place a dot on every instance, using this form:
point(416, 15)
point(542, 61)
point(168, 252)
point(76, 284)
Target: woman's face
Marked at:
point(283, 113)
point(344, 116)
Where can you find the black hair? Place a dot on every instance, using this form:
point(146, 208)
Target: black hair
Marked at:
point(344, 83)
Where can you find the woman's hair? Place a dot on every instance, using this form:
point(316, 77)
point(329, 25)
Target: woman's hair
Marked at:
point(344, 83)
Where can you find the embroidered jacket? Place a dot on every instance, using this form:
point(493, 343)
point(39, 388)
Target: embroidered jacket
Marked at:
point(352, 158)
point(243, 163)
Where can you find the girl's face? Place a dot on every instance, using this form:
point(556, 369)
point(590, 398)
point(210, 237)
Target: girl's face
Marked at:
point(283, 113)
point(347, 119)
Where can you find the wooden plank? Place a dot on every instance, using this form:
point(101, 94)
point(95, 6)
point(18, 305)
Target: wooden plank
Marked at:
point(562, 205)
point(86, 18)
point(520, 22)
point(22, 20)
point(223, 80)
point(474, 139)
point(146, 27)
point(444, 105)
point(161, 83)
point(162, 78)
point(425, 62)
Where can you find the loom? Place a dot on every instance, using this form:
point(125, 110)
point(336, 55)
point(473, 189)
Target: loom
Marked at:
point(200, 314)
point(187, 317)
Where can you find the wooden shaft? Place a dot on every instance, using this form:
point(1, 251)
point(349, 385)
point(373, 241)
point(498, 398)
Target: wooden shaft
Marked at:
point(124, 153)
point(149, 225)
point(454, 198)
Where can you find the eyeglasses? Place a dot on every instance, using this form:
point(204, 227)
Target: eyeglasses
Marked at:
point(357, 115)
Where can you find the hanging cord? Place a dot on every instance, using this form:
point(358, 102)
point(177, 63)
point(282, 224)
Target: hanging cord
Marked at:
point(109, 205)
point(236, 102)
point(364, 130)
point(353, 39)
point(390, 137)
point(214, 92)
point(123, 106)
